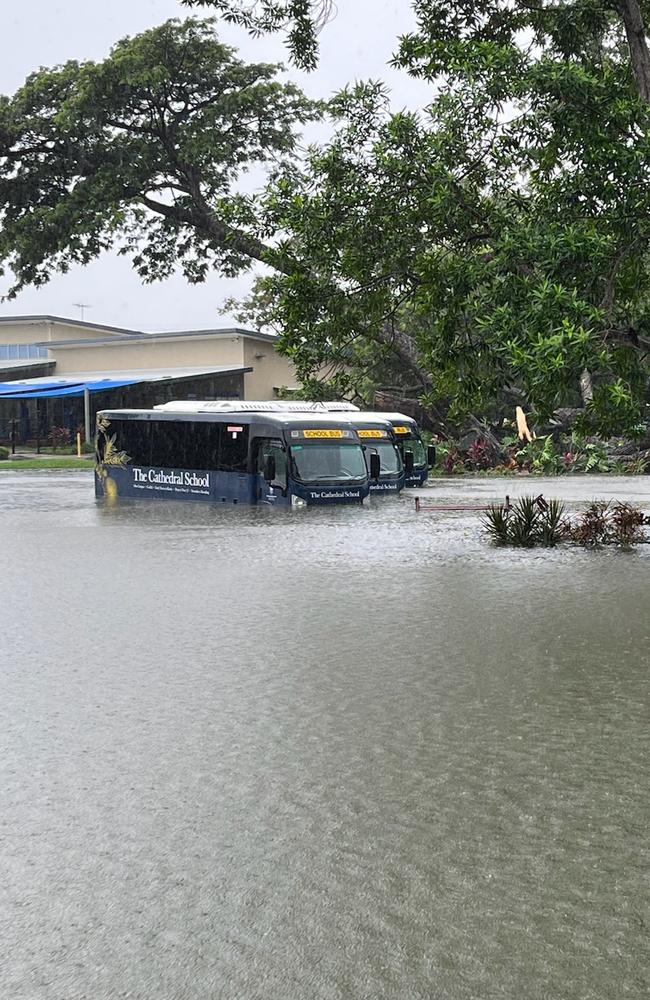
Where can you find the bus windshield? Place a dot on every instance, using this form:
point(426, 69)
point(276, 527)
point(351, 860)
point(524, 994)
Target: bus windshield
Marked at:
point(314, 463)
point(412, 443)
point(389, 457)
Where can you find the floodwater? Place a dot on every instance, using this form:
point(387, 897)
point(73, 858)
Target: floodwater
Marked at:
point(318, 754)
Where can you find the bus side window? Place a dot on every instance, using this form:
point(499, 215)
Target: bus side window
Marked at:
point(233, 448)
point(277, 450)
point(132, 437)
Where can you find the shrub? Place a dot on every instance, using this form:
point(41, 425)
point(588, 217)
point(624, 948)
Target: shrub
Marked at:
point(4, 453)
point(532, 521)
point(59, 436)
point(605, 523)
point(452, 461)
point(588, 456)
point(635, 467)
point(540, 455)
point(479, 456)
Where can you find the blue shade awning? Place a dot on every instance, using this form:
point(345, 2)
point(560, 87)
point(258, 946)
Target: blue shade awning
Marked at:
point(75, 384)
point(59, 387)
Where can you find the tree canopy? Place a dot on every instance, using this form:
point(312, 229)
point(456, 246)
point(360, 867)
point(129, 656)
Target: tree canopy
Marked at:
point(142, 151)
point(498, 240)
point(491, 248)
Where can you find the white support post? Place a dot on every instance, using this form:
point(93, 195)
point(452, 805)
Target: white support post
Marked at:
point(87, 427)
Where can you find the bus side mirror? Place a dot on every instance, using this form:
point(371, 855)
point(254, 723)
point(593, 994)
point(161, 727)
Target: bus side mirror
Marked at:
point(408, 462)
point(269, 468)
point(375, 466)
point(431, 455)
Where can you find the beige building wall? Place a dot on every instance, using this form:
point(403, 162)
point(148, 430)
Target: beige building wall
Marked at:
point(118, 352)
point(168, 353)
point(35, 331)
point(270, 370)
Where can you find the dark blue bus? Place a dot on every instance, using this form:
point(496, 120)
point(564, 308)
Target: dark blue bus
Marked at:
point(376, 433)
point(378, 439)
point(417, 458)
point(230, 456)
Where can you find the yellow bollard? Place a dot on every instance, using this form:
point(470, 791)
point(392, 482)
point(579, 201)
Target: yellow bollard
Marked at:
point(78, 445)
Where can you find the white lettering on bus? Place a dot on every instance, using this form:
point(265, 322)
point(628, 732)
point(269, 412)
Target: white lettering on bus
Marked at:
point(171, 478)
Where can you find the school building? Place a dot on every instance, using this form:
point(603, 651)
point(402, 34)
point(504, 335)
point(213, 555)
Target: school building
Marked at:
point(57, 372)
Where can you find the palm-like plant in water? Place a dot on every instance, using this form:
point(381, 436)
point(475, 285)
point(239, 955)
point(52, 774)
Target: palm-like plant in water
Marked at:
point(526, 523)
point(496, 522)
point(552, 526)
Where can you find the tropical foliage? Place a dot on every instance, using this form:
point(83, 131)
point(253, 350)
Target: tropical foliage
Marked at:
point(547, 455)
point(496, 243)
point(531, 521)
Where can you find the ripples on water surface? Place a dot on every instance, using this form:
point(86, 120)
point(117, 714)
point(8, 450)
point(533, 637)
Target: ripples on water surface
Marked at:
point(318, 754)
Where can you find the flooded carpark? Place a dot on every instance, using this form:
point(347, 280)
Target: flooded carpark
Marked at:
point(349, 752)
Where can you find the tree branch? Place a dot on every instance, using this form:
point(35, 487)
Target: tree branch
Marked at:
point(219, 233)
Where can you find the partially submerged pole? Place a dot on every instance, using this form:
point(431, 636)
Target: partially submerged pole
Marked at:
point(87, 428)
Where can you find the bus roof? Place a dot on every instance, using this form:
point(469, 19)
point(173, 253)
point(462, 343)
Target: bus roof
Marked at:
point(392, 418)
point(278, 419)
point(369, 417)
point(254, 406)
point(369, 420)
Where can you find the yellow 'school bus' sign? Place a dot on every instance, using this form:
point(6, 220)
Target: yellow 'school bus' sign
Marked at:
point(324, 433)
point(371, 433)
point(401, 430)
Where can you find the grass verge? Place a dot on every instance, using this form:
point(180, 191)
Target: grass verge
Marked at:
point(43, 464)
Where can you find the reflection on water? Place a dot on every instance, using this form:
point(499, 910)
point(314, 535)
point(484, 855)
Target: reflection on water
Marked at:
point(324, 753)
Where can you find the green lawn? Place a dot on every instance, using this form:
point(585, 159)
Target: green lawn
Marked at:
point(43, 464)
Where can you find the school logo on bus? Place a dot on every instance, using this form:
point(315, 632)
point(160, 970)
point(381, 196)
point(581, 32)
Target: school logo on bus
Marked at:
point(161, 478)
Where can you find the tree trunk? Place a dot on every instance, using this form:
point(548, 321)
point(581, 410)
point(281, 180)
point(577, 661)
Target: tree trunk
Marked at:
point(586, 387)
point(406, 350)
point(630, 11)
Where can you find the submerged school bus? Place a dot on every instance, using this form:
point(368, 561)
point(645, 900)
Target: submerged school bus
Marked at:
point(377, 436)
point(378, 440)
point(222, 453)
point(417, 458)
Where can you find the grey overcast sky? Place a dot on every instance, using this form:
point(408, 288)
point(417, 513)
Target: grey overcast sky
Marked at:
point(357, 44)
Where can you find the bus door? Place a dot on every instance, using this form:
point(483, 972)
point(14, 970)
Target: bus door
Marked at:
point(271, 466)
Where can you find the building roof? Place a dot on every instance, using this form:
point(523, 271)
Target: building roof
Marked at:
point(22, 364)
point(120, 335)
point(76, 384)
point(135, 338)
point(68, 321)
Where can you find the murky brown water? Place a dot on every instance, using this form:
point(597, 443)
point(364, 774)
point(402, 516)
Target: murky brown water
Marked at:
point(313, 754)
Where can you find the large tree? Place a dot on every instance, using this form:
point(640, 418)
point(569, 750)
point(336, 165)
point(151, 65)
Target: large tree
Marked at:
point(144, 152)
point(492, 248)
point(498, 240)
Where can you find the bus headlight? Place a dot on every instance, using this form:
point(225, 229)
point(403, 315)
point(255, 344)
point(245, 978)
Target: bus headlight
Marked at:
point(297, 501)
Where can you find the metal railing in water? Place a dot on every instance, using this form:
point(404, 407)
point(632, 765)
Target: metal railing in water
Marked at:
point(420, 506)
